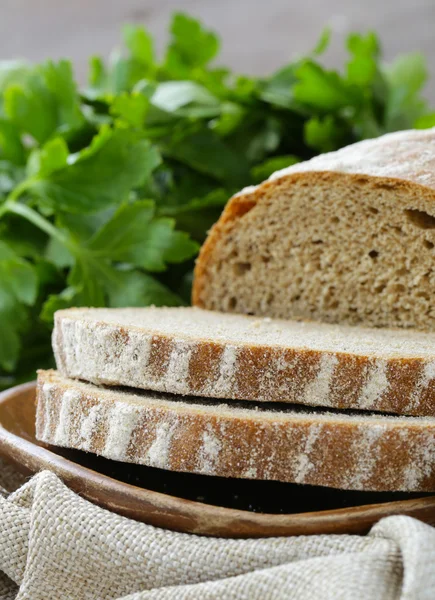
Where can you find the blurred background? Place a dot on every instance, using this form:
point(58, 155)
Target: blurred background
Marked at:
point(257, 36)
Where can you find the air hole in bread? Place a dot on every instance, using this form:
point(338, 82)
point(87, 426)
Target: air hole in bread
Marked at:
point(397, 228)
point(317, 241)
point(423, 295)
point(373, 210)
point(241, 268)
point(270, 298)
point(397, 287)
point(373, 253)
point(380, 288)
point(420, 218)
point(427, 244)
point(329, 298)
point(232, 303)
point(335, 220)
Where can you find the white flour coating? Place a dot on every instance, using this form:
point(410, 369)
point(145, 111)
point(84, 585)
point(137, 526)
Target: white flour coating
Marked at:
point(159, 453)
point(303, 462)
point(380, 157)
point(225, 386)
point(375, 385)
point(123, 420)
point(177, 373)
point(209, 452)
point(425, 380)
point(366, 453)
point(67, 351)
point(47, 391)
point(250, 472)
point(104, 358)
point(317, 391)
point(124, 359)
point(48, 388)
point(291, 387)
point(63, 430)
point(89, 426)
point(141, 349)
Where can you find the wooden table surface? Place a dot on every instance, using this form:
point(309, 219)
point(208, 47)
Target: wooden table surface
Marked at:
point(257, 35)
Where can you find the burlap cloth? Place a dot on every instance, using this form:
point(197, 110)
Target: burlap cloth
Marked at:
point(56, 545)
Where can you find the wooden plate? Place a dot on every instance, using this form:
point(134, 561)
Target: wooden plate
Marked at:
point(109, 484)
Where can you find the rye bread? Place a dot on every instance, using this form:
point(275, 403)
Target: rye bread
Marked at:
point(347, 237)
point(348, 451)
point(190, 351)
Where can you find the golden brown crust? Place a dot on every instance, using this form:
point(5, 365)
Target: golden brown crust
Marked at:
point(237, 206)
point(350, 452)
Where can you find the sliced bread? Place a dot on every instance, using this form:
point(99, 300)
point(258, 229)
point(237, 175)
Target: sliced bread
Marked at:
point(347, 237)
point(199, 352)
point(369, 452)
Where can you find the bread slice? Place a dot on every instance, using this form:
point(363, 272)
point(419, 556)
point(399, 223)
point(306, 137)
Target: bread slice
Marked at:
point(217, 355)
point(347, 237)
point(369, 452)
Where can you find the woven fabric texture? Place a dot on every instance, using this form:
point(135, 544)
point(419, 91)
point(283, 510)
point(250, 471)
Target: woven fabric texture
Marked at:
point(54, 544)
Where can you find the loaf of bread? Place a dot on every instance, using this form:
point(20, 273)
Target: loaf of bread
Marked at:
point(347, 237)
point(348, 451)
point(199, 352)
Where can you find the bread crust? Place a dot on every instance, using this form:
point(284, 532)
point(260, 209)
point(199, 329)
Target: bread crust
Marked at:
point(400, 161)
point(370, 452)
point(112, 354)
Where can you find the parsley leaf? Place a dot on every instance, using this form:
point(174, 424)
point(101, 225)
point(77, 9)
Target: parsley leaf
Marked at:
point(135, 288)
point(363, 65)
point(18, 289)
point(134, 236)
point(11, 146)
point(405, 77)
point(44, 100)
point(264, 170)
point(325, 133)
point(117, 161)
point(191, 45)
point(320, 89)
point(131, 108)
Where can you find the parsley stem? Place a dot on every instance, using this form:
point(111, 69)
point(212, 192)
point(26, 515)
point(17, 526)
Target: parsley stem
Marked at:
point(18, 190)
point(23, 210)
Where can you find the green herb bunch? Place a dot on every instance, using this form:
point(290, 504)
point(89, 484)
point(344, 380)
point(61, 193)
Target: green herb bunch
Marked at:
point(106, 193)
